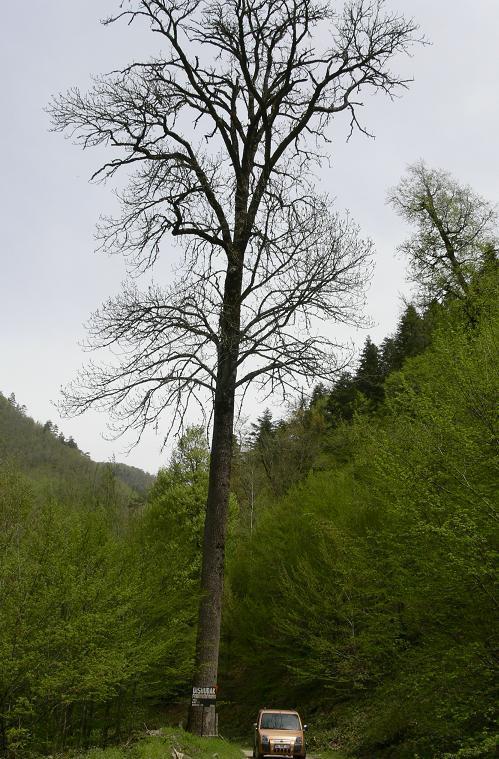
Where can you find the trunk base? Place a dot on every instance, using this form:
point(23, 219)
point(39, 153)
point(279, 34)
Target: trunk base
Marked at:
point(203, 720)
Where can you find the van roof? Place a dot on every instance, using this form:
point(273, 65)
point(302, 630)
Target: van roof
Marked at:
point(279, 711)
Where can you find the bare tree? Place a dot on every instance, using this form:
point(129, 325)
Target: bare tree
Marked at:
point(224, 129)
point(455, 230)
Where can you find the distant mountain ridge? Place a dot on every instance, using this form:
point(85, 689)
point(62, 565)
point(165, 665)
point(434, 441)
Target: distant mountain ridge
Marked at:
point(133, 476)
point(43, 453)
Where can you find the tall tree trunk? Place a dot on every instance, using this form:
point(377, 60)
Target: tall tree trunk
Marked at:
point(202, 718)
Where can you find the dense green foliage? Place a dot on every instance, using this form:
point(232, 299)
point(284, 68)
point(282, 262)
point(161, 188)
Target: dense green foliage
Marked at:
point(366, 595)
point(360, 565)
point(97, 605)
point(362, 556)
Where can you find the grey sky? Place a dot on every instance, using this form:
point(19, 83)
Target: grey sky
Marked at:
point(50, 278)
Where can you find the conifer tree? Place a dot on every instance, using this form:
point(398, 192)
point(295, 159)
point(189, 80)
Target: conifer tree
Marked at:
point(369, 375)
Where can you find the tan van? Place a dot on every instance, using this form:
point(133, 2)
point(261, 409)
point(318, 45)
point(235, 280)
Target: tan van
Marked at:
point(279, 732)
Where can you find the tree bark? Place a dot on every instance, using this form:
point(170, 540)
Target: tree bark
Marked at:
point(449, 247)
point(202, 719)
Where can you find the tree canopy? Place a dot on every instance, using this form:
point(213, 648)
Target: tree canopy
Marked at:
point(456, 230)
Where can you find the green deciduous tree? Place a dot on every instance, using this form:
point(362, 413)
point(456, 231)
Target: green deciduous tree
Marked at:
point(456, 230)
point(97, 619)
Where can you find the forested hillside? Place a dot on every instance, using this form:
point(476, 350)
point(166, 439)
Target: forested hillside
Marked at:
point(363, 584)
point(55, 464)
point(361, 581)
point(362, 589)
point(95, 619)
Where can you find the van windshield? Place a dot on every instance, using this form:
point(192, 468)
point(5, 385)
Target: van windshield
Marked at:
point(277, 721)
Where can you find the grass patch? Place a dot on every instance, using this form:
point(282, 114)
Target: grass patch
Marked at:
point(161, 747)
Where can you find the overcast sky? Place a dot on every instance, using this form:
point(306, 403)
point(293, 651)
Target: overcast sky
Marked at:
point(50, 278)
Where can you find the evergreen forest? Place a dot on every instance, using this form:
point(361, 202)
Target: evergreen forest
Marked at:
point(361, 562)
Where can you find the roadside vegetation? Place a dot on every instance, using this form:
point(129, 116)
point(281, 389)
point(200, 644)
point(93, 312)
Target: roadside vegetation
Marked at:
point(173, 743)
